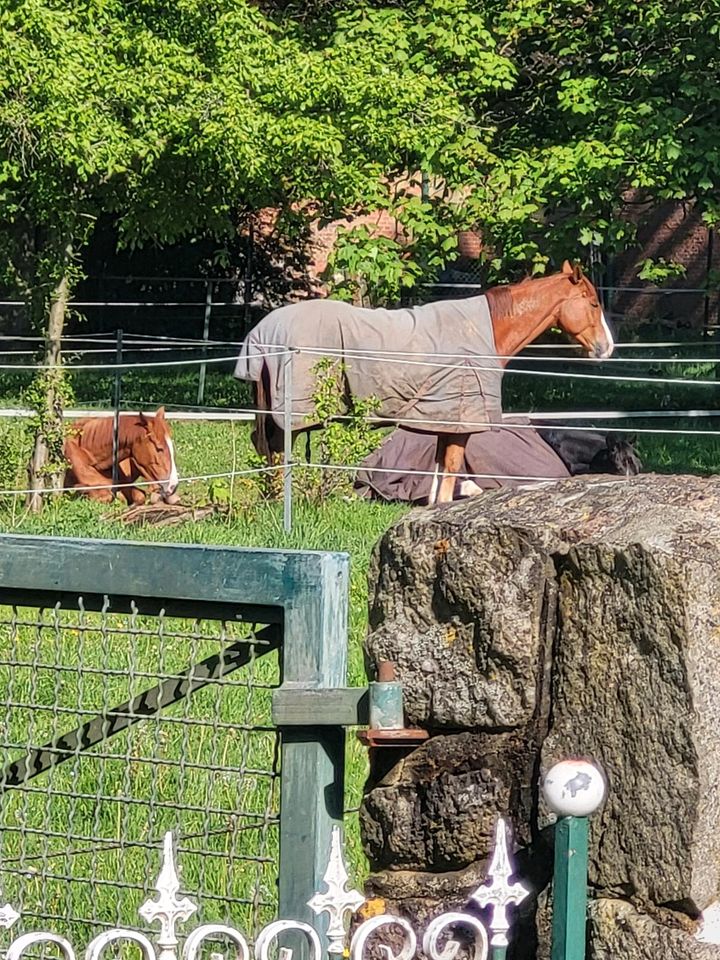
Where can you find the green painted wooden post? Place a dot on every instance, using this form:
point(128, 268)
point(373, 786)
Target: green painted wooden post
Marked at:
point(312, 760)
point(570, 888)
point(573, 789)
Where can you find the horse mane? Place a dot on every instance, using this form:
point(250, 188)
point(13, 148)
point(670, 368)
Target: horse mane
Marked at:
point(500, 298)
point(500, 301)
point(97, 433)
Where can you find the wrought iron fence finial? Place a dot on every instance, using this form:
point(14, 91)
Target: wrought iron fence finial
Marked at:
point(337, 901)
point(168, 909)
point(500, 894)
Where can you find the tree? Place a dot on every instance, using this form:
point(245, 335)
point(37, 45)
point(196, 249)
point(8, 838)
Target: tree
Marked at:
point(89, 100)
point(615, 102)
point(564, 114)
point(177, 117)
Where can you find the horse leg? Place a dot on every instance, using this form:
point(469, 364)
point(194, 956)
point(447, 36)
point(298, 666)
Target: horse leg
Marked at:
point(261, 435)
point(83, 473)
point(267, 438)
point(132, 495)
point(451, 456)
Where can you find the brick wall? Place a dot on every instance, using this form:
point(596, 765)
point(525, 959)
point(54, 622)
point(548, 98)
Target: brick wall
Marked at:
point(378, 223)
point(675, 232)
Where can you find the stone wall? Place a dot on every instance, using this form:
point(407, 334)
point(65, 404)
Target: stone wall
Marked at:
point(581, 618)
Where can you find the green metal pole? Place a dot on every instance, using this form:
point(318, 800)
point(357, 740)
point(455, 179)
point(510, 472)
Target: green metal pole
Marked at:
point(570, 889)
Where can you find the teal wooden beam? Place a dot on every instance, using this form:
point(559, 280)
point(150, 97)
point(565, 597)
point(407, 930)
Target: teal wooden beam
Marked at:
point(570, 888)
point(149, 703)
point(302, 706)
point(259, 584)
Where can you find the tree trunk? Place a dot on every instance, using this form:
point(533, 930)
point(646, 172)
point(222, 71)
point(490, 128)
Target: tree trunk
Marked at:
point(45, 473)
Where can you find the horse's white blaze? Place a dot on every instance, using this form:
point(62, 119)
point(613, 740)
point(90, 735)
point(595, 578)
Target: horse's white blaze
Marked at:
point(173, 479)
point(611, 343)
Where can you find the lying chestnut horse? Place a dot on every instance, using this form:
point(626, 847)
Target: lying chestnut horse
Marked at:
point(435, 369)
point(145, 452)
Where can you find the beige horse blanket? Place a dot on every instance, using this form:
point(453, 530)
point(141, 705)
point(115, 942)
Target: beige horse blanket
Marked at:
point(432, 367)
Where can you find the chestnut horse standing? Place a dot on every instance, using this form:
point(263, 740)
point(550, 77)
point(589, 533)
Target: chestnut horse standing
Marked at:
point(518, 314)
point(145, 451)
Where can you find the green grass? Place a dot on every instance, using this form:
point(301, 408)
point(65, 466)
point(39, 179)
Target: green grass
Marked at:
point(82, 841)
point(43, 828)
point(145, 387)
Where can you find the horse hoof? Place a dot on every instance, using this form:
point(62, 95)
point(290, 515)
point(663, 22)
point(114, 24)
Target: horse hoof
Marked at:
point(173, 498)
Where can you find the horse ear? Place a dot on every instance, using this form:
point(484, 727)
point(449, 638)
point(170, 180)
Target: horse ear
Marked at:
point(143, 420)
point(567, 268)
point(632, 440)
point(577, 273)
point(160, 415)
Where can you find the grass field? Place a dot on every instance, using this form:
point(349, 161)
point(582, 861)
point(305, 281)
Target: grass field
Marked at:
point(105, 657)
point(59, 841)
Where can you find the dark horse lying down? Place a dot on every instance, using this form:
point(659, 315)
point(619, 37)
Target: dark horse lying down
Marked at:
point(403, 467)
point(584, 452)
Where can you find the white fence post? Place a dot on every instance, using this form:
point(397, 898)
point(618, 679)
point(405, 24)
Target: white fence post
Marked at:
point(206, 337)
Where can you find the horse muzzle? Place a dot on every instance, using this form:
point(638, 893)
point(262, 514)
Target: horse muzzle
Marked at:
point(602, 351)
point(168, 492)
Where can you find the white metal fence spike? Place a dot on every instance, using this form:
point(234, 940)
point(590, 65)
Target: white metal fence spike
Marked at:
point(8, 916)
point(337, 901)
point(168, 909)
point(499, 893)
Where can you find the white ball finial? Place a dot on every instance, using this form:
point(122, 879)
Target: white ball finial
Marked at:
point(574, 788)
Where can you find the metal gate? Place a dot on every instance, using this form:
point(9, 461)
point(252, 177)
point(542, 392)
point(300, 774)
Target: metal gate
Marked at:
point(136, 685)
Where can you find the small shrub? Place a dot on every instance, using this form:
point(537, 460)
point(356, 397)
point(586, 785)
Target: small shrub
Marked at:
point(14, 454)
point(346, 437)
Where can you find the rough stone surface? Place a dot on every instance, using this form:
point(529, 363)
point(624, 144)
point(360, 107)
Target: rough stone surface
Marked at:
point(461, 612)
point(578, 618)
point(437, 808)
point(636, 683)
point(618, 929)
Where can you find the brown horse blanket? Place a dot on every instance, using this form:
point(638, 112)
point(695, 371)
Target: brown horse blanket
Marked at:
point(433, 366)
point(493, 459)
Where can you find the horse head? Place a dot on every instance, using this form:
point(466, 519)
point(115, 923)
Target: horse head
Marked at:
point(619, 456)
point(581, 316)
point(154, 454)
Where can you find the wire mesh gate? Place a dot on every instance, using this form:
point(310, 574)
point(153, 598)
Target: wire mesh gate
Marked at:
point(135, 697)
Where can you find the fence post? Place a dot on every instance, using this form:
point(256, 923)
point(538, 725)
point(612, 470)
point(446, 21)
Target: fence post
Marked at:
point(206, 337)
point(287, 442)
point(314, 656)
point(117, 396)
point(573, 789)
